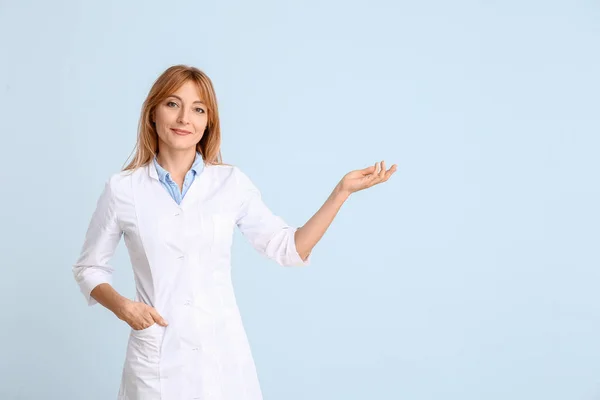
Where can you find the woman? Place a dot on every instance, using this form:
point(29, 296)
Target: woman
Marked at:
point(176, 204)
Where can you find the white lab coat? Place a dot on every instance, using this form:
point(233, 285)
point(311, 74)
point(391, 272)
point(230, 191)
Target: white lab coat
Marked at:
point(181, 259)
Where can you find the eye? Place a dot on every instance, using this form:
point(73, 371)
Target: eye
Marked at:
point(171, 104)
point(200, 110)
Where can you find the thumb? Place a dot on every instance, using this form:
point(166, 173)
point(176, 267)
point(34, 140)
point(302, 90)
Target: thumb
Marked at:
point(157, 318)
point(368, 170)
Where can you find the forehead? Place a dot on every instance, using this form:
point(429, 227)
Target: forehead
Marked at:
point(189, 91)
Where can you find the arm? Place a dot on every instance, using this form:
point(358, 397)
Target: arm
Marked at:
point(268, 233)
point(137, 315)
point(106, 295)
point(94, 274)
point(102, 237)
point(307, 236)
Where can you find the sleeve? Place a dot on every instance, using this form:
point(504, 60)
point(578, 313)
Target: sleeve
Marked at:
point(266, 232)
point(101, 240)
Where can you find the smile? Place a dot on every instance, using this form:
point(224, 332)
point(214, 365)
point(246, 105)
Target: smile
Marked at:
point(181, 132)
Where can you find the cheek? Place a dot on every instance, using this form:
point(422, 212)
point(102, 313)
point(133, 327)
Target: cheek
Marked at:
point(161, 129)
point(200, 123)
point(163, 117)
point(163, 122)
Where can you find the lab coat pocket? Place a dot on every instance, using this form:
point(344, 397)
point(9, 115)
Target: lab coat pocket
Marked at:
point(143, 355)
point(143, 331)
point(222, 230)
point(214, 233)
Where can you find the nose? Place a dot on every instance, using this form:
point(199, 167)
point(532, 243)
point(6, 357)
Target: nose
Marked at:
point(182, 118)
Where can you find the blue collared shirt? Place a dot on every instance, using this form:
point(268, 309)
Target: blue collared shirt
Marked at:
point(172, 188)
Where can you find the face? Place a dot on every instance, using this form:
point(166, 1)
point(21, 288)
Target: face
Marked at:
point(181, 119)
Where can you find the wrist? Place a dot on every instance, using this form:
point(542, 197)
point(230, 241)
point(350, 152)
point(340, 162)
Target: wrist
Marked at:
point(340, 192)
point(119, 308)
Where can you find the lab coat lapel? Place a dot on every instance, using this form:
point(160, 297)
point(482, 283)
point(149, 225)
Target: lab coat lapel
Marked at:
point(198, 189)
point(156, 217)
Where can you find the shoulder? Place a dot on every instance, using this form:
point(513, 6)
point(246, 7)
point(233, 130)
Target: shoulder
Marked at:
point(231, 176)
point(220, 169)
point(121, 183)
point(222, 172)
point(119, 180)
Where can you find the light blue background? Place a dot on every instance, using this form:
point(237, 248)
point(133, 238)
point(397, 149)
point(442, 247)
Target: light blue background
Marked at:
point(472, 274)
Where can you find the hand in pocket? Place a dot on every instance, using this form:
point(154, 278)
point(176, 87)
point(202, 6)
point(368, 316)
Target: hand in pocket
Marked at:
point(140, 315)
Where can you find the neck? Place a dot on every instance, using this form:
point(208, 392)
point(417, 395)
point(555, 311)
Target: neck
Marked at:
point(176, 162)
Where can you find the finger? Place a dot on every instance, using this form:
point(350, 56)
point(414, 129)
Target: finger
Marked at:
point(371, 177)
point(368, 170)
point(144, 322)
point(378, 175)
point(383, 171)
point(157, 317)
point(390, 172)
point(148, 322)
point(375, 170)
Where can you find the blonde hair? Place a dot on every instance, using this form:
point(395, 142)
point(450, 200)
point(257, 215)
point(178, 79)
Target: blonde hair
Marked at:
point(167, 83)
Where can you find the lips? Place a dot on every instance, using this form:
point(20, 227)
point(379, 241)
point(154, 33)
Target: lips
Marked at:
point(181, 132)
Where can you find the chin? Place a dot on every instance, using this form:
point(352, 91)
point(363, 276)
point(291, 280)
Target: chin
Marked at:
point(181, 145)
point(180, 142)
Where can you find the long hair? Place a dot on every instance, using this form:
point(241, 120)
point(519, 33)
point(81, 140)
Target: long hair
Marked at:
point(167, 83)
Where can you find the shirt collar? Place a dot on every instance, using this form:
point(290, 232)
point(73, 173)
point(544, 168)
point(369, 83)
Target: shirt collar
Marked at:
point(198, 164)
point(197, 167)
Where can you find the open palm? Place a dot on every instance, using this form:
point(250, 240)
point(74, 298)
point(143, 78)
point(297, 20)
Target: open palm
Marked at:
point(365, 178)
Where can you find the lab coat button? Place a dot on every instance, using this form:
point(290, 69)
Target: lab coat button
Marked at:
point(180, 257)
point(187, 303)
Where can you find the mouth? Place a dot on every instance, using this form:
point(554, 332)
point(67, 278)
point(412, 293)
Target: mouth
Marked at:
point(181, 132)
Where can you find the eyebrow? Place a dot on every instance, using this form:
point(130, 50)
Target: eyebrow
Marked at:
point(180, 99)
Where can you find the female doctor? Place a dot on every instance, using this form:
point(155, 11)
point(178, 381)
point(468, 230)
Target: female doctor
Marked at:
point(176, 205)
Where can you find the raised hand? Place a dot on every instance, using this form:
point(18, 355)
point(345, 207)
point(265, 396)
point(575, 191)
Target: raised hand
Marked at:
point(365, 178)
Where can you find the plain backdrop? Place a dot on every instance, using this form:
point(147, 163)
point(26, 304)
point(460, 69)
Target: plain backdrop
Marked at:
point(472, 274)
